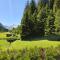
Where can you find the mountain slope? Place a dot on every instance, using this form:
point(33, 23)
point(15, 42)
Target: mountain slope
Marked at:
point(2, 28)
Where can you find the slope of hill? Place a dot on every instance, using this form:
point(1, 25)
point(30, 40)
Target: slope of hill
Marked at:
point(2, 28)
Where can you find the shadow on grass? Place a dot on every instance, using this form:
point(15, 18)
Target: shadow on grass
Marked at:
point(54, 37)
point(49, 37)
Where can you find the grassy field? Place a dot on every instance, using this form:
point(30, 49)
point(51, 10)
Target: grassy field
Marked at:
point(24, 50)
point(21, 50)
point(3, 35)
point(4, 45)
point(18, 44)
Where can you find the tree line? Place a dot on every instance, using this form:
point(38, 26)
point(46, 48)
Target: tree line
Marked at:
point(41, 19)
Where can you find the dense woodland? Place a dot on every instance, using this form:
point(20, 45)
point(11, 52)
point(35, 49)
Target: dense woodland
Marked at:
point(41, 19)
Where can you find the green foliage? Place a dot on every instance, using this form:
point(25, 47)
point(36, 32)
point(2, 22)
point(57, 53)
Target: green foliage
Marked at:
point(58, 4)
point(40, 19)
point(51, 20)
point(57, 20)
point(9, 37)
point(28, 22)
point(16, 30)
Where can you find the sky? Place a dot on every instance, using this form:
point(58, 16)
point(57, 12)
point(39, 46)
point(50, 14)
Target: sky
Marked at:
point(11, 11)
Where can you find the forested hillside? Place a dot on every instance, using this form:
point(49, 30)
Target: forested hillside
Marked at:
point(2, 28)
point(41, 19)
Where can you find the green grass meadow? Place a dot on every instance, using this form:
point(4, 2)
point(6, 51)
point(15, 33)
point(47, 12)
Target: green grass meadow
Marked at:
point(18, 44)
point(28, 50)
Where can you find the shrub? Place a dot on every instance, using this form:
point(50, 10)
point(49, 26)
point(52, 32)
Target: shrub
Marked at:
point(11, 39)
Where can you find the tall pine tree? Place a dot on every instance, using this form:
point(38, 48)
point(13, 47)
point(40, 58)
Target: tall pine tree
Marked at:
point(25, 23)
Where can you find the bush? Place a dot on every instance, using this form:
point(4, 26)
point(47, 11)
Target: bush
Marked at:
point(11, 39)
point(8, 35)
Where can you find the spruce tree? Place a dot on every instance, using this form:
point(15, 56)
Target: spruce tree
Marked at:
point(41, 19)
point(32, 16)
point(57, 16)
point(57, 22)
point(25, 23)
point(51, 19)
point(28, 20)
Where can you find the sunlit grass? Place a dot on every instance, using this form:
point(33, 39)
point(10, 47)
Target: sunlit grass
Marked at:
point(4, 45)
point(3, 34)
point(18, 44)
point(32, 44)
